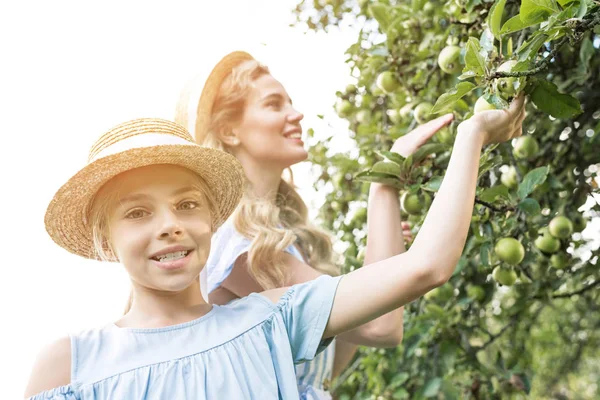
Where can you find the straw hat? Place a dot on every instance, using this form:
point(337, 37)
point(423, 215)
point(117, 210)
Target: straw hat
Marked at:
point(209, 93)
point(136, 144)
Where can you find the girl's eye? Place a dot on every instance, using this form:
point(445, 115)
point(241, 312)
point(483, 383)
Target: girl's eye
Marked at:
point(188, 205)
point(135, 214)
point(273, 104)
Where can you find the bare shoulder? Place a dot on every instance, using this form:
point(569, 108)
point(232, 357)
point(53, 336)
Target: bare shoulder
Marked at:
point(274, 294)
point(52, 368)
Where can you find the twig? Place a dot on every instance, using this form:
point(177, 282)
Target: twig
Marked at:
point(493, 207)
point(580, 291)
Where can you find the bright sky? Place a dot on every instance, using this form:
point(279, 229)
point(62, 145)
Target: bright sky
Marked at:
point(70, 70)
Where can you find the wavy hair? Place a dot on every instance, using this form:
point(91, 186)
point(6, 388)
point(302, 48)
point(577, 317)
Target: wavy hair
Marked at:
point(271, 227)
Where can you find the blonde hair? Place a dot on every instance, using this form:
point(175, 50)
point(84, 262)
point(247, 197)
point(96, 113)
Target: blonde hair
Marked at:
point(99, 216)
point(272, 227)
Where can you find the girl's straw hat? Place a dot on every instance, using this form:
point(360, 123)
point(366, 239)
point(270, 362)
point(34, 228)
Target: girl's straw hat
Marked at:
point(209, 93)
point(131, 145)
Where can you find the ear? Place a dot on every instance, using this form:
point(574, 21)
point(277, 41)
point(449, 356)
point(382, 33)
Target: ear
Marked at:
point(230, 138)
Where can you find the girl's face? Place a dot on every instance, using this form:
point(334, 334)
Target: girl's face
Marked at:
point(269, 131)
point(159, 226)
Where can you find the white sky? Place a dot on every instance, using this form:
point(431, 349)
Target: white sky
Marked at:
point(69, 71)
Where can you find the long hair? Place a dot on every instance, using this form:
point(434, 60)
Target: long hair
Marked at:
point(271, 227)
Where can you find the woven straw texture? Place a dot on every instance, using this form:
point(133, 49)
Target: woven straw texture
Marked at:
point(67, 215)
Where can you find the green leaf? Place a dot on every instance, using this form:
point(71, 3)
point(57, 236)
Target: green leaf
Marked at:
point(475, 57)
point(399, 380)
point(495, 17)
point(530, 207)
point(514, 24)
point(427, 149)
point(433, 185)
point(484, 254)
point(533, 178)
point(563, 3)
point(392, 156)
point(432, 387)
point(381, 12)
point(537, 10)
point(490, 195)
point(546, 97)
point(374, 177)
point(401, 394)
point(448, 99)
point(529, 49)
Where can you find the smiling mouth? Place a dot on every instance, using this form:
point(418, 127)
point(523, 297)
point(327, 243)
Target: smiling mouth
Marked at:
point(294, 136)
point(174, 256)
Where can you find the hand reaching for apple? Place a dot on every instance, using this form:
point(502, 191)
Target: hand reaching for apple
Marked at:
point(498, 126)
point(409, 143)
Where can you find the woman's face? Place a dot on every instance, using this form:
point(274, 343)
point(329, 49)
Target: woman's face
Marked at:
point(269, 132)
point(159, 226)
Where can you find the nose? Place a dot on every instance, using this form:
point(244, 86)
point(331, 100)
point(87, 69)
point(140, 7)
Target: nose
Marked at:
point(170, 226)
point(295, 116)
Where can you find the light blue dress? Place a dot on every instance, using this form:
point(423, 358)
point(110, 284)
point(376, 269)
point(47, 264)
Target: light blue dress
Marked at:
point(243, 350)
point(226, 246)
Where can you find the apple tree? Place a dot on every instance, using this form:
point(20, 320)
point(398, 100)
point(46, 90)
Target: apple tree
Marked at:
point(521, 315)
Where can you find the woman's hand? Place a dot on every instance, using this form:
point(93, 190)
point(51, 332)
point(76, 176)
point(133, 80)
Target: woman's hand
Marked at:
point(409, 143)
point(498, 126)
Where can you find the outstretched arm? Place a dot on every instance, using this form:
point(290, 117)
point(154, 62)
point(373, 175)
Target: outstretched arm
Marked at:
point(385, 239)
point(430, 262)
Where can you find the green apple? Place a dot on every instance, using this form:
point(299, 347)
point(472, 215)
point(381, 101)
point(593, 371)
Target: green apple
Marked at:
point(559, 260)
point(387, 82)
point(344, 108)
point(509, 178)
point(449, 60)
point(510, 86)
point(411, 203)
point(476, 292)
point(350, 89)
point(510, 250)
point(482, 105)
point(423, 112)
point(560, 227)
point(547, 243)
point(525, 147)
point(504, 276)
point(406, 110)
point(363, 116)
point(445, 135)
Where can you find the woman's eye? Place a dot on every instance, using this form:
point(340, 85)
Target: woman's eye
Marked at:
point(135, 214)
point(273, 104)
point(188, 205)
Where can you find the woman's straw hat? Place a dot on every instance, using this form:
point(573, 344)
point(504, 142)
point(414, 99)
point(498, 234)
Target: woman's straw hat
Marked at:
point(209, 93)
point(131, 145)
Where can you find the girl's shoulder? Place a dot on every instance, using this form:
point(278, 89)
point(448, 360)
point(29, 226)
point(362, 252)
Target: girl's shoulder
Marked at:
point(52, 367)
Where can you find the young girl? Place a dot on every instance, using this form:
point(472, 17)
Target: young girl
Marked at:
point(269, 241)
point(150, 198)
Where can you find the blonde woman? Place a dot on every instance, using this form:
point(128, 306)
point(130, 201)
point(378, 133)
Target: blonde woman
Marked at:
point(269, 242)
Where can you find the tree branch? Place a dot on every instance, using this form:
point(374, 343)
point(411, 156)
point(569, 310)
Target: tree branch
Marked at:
point(580, 291)
point(493, 207)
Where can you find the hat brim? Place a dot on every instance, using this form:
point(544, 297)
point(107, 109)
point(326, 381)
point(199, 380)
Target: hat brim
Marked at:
point(67, 215)
point(211, 89)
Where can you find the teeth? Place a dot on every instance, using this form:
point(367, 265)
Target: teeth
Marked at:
point(171, 256)
point(295, 136)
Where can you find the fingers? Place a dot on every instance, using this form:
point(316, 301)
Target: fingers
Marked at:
point(436, 124)
point(517, 104)
point(405, 225)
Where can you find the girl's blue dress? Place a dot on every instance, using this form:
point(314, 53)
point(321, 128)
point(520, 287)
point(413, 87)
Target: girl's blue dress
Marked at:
point(243, 350)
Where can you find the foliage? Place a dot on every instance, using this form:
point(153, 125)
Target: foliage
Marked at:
point(476, 338)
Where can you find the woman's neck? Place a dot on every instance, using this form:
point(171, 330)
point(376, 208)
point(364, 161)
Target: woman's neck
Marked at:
point(265, 180)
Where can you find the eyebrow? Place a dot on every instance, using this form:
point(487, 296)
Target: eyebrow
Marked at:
point(141, 196)
point(276, 95)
